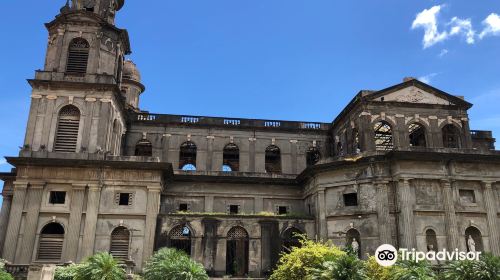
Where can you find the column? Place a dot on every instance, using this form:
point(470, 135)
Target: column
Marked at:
point(383, 213)
point(322, 223)
point(270, 244)
point(209, 203)
point(152, 210)
point(75, 220)
point(406, 215)
point(165, 147)
point(16, 211)
point(210, 244)
point(492, 216)
point(4, 218)
point(31, 224)
point(450, 216)
point(210, 154)
point(94, 194)
point(293, 147)
point(220, 256)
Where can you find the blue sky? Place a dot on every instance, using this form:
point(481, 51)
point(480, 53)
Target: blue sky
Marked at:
point(274, 59)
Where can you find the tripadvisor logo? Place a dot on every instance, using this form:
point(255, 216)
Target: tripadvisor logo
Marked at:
point(387, 255)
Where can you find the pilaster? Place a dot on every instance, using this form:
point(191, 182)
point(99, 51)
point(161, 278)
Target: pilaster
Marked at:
point(322, 223)
point(492, 216)
point(152, 210)
point(35, 192)
point(75, 220)
point(383, 213)
point(408, 239)
point(16, 213)
point(94, 194)
point(450, 215)
point(4, 218)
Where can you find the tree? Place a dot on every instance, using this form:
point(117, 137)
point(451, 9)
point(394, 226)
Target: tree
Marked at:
point(170, 263)
point(66, 272)
point(101, 266)
point(412, 270)
point(300, 263)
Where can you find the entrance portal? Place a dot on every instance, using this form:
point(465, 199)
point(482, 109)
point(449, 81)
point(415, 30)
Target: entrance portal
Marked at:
point(237, 252)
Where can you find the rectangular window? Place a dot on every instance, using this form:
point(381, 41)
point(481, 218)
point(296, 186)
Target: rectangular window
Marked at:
point(467, 196)
point(282, 210)
point(351, 199)
point(124, 199)
point(234, 209)
point(183, 207)
point(57, 197)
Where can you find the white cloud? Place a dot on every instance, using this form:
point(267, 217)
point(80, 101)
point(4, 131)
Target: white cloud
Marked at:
point(427, 19)
point(492, 26)
point(443, 52)
point(428, 78)
point(462, 26)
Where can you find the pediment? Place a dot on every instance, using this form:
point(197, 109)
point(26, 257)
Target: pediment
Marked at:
point(413, 94)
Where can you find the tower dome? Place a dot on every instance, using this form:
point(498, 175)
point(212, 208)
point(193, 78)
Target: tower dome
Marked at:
point(130, 71)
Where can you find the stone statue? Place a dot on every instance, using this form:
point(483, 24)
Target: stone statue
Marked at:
point(471, 244)
point(355, 245)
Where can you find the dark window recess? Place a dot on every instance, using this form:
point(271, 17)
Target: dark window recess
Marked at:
point(57, 198)
point(351, 199)
point(282, 210)
point(183, 207)
point(467, 196)
point(234, 209)
point(125, 199)
point(144, 148)
point(273, 159)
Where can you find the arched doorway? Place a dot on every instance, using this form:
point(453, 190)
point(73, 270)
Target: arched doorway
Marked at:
point(180, 239)
point(237, 252)
point(475, 234)
point(290, 240)
point(50, 244)
point(352, 235)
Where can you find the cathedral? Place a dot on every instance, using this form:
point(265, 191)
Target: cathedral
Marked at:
point(97, 172)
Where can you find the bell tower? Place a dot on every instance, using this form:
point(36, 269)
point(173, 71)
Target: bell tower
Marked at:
point(77, 105)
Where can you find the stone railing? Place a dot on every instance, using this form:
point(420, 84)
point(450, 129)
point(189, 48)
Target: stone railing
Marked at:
point(227, 122)
point(18, 271)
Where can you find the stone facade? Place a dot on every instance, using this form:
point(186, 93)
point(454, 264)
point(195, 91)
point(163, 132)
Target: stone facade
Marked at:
point(96, 173)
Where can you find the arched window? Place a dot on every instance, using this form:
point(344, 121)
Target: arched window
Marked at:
point(50, 244)
point(352, 237)
point(312, 156)
point(273, 159)
point(451, 136)
point(78, 56)
point(417, 135)
point(383, 136)
point(180, 239)
point(290, 239)
point(144, 148)
point(237, 252)
point(187, 156)
point(120, 242)
point(475, 234)
point(231, 158)
point(431, 240)
point(68, 125)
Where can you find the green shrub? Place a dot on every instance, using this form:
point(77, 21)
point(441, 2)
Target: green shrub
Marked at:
point(66, 272)
point(4, 275)
point(169, 263)
point(344, 267)
point(487, 268)
point(300, 263)
point(101, 266)
point(412, 270)
point(374, 271)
